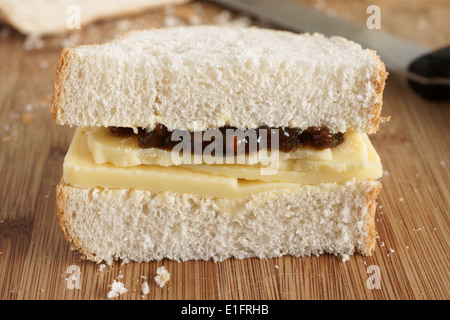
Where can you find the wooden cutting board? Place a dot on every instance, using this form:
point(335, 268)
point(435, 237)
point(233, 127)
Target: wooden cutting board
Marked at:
point(411, 260)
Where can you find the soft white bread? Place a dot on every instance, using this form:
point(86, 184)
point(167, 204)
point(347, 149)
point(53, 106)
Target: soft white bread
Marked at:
point(133, 225)
point(47, 17)
point(215, 76)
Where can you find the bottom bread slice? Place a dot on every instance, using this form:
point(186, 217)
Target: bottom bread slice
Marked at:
point(133, 225)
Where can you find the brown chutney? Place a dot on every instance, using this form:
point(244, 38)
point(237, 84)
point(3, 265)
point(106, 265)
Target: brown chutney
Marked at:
point(237, 141)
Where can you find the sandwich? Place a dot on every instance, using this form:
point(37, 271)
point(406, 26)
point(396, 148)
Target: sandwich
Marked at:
point(209, 143)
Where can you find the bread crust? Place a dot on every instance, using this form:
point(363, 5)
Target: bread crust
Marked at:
point(62, 68)
point(379, 84)
point(371, 205)
point(63, 194)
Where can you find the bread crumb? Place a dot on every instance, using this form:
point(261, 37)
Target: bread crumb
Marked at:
point(418, 229)
point(407, 247)
point(386, 173)
point(145, 288)
point(14, 115)
point(123, 25)
point(345, 257)
point(382, 244)
point(400, 199)
point(241, 22)
point(162, 276)
point(276, 266)
point(194, 20)
point(224, 18)
point(29, 107)
point(392, 250)
point(101, 267)
point(442, 163)
point(33, 42)
point(71, 40)
point(172, 21)
point(117, 288)
point(417, 175)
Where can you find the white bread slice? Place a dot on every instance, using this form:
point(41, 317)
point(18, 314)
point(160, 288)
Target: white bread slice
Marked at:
point(133, 225)
point(212, 76)
point(49, 17)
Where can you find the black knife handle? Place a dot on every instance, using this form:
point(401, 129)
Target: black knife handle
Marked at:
point(430, 75)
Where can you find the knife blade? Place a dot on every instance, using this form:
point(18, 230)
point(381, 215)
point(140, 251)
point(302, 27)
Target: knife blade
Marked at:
point(397, 53)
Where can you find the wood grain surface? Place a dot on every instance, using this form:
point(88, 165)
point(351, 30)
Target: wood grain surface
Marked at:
point(412, 219)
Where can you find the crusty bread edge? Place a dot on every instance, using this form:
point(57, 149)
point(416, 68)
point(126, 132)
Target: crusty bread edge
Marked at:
point(61, 216)
point(371, 205)
point(62, 67)
point(375, 119)
point(62, 195)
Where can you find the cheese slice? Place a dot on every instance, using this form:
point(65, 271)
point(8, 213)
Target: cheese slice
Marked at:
point(220, 181)
point(125, 151)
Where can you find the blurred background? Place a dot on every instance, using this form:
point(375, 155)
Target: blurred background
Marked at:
point(413, 236)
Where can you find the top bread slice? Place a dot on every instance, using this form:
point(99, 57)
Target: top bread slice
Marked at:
point(49, 17)
point(200, 77)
